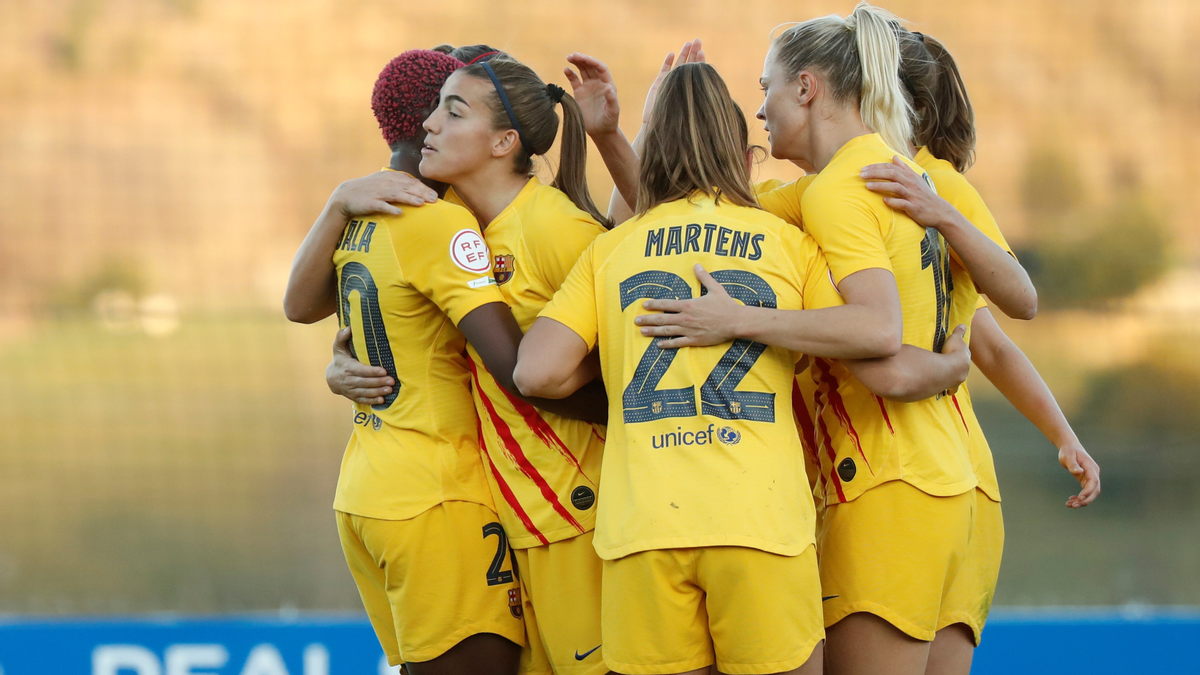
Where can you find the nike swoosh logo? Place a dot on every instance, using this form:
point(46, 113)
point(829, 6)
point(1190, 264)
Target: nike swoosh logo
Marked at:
point(828, 597)
point(580, 657)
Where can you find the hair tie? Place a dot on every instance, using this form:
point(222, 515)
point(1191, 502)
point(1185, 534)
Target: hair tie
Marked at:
point(481, 57)
point(512, 116)
point(556, 92)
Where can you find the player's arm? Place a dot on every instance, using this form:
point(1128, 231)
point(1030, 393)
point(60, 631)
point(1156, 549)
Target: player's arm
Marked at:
point(996, 273)
point(1007, 367)
point(312, 289)
point(916, 374)
point(596, 94)
point(494, 333)
point(868, 326)
point(553, 361)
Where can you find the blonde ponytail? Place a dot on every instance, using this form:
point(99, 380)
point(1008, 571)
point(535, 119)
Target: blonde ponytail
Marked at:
point(859, 57)
point(882, 104)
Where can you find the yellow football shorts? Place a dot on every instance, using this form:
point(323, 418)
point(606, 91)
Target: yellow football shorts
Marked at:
point(560, 584)
point(432, 581)
point(970, 596)
point(674, 610)
point(894, 552)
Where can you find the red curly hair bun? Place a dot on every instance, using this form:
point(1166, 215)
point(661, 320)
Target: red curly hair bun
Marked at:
point(406, 87)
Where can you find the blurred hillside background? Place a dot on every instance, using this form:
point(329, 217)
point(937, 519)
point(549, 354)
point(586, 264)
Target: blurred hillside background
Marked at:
point(167, 441)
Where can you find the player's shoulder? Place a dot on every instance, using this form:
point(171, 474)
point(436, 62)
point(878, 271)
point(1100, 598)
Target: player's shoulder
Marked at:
point(548, 209)
point(948, 182)
point(438, 217)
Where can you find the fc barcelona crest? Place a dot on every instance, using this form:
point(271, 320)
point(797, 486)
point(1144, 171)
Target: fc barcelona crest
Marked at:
point(503, 269)
point(514, 600)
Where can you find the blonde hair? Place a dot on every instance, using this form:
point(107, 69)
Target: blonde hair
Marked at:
point(859, 56)
point(696, 141)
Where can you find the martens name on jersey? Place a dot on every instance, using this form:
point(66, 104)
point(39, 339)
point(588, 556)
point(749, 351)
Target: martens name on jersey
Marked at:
point(707, 238)
point(357, 236)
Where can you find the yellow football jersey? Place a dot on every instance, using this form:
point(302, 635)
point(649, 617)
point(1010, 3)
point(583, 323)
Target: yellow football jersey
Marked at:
point(865, 439)
point(404, 282)
point(762, 187)
point(702, 447)
point(955, 188)
point(545, 469)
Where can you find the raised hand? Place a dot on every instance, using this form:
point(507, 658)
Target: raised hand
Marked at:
point(595, 93)
point(690, 52)
point(379, 192)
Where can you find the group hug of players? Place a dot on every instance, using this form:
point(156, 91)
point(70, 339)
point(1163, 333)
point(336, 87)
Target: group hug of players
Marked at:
point(768, 376)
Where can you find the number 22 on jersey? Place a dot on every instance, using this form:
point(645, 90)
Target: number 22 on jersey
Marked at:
point(642, 401)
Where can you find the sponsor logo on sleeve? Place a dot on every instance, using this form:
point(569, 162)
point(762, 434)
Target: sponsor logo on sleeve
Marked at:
point(469, 252)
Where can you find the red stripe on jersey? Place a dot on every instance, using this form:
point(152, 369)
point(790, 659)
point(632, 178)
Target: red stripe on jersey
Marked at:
point(508, 493)
point(833, 477)
point(808, 435)
point(839, 409)
point(597, 434)
point(883, 409)
point(544, 431)
point(517, 455)
point(954, 397)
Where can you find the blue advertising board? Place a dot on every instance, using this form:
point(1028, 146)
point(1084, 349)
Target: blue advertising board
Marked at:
point(1016, 641)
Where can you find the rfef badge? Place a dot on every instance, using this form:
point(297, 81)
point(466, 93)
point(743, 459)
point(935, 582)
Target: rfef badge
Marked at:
point(503, 269)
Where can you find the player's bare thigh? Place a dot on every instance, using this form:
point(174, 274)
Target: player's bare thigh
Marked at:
point(479, 654)
point(951, 651)
point(864, 644)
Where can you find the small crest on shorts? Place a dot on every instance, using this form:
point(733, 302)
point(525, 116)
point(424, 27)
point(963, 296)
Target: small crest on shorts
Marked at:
point(504, 267)
point(846, 470)
point(514, 603)
point(582, 498)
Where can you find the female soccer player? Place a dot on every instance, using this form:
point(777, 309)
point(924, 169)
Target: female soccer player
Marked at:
point(544, 469)
point(493, 120)
point(900, 485)
point(414, 510)
point(944, 136)
point(705, 497)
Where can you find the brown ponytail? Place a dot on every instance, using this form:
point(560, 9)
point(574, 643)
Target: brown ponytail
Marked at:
point(943, 119)
point(533, 103)
point(696, 141)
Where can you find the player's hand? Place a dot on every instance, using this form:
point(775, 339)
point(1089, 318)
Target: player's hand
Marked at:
point(905, 190)
point(378, 192)
point(698, 322)
point(957, 349)
point(347, 376)
point(1075, 459)
point(595, 93)
point(690, 52)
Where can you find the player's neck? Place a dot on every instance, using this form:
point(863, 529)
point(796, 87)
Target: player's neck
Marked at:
point(406, 157)
point(488, 192)
point(833, 130)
